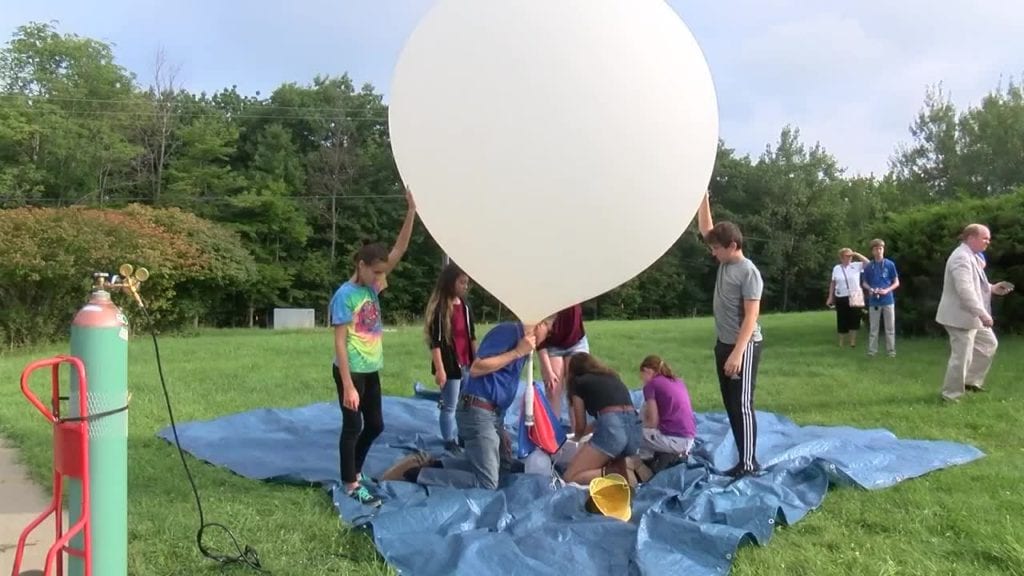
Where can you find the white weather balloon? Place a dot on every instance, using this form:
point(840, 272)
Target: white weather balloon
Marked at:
point(556, 148)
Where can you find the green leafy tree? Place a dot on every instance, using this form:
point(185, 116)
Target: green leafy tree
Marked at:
point(929, 169)
point(992, 143)
point(64, 85)
point(200, 175)
point(270, 220)
point(970, 154)
point(794, 216)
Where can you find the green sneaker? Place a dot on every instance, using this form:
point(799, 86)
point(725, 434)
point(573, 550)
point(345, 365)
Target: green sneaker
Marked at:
point(365, 480)
point(364, 497)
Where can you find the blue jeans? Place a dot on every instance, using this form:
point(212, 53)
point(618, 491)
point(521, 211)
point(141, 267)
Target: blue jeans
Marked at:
point(448, 403)
point(480, 461)
point(618, 434)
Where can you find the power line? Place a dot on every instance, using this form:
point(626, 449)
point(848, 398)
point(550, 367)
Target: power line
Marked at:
point(222, 115)
point(137, 101)
point(254, 111)
point(207, 199)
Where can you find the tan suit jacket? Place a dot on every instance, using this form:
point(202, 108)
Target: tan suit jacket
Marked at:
point(966, 291)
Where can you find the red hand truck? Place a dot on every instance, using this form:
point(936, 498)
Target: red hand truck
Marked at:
point(70, 459)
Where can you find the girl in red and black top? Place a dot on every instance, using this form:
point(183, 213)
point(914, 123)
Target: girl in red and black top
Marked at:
point(451, 335)
point(567, 337)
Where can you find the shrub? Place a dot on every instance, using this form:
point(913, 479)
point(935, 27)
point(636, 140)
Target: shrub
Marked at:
point(48, 256)
point(919, 242)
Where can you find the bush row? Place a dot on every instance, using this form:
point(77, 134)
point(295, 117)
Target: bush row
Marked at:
point(920, 242)
point(48, 257)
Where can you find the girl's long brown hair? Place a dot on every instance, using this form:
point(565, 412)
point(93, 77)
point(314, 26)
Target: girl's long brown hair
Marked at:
point(583, 363)
point(443, 296)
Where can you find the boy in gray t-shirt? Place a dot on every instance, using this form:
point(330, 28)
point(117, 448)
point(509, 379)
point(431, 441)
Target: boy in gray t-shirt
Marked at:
point(738, 281)
point(737, 304)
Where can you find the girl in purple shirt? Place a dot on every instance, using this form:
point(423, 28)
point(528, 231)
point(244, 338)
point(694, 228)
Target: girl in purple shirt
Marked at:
point(669, 424)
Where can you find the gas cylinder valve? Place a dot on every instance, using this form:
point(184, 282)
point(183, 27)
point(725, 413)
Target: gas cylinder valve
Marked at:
point(127, 280)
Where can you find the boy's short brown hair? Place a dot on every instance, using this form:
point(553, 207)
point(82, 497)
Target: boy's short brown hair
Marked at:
point(878, 242)
point(725, 234)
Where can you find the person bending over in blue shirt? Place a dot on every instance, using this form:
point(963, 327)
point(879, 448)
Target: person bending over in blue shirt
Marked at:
point(487, 394)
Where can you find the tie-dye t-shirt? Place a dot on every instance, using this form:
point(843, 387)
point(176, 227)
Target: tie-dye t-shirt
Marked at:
point(359, 307)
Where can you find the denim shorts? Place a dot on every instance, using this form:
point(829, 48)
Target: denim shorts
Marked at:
point(618, 434)
point(581, 346)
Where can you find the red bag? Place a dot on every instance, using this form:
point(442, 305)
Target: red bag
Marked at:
point(542, 433)
point(547, 433)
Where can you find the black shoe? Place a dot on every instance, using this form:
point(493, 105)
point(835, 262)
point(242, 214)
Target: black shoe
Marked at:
point(663, 461)
point(975, 389)
point(739, 471)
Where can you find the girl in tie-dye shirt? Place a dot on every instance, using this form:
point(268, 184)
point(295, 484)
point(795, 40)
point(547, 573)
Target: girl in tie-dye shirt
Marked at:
point(359, 355)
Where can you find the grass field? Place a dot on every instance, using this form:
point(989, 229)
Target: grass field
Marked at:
point(966, 520)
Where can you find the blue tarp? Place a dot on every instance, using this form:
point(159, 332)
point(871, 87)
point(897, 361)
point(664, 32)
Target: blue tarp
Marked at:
point(687, 519)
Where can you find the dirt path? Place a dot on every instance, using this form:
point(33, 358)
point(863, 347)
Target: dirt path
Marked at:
point(21, 500)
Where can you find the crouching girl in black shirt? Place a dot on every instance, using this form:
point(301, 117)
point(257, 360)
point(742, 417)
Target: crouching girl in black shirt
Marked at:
point(597, 390)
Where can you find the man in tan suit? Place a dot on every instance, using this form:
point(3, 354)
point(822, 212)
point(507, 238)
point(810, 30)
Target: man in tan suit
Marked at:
point(965, 310)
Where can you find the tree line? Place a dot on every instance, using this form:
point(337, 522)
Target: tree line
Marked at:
point(284, 187)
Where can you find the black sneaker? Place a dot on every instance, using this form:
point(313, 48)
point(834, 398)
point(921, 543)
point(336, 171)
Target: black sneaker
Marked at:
point(663, 461)
point(364, 496)
point(739, 471)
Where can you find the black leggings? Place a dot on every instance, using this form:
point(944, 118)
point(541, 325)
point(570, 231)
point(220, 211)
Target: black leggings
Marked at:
point(359, 428)
point(847, 318)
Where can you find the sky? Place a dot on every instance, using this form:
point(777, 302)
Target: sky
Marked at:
point(850, 75)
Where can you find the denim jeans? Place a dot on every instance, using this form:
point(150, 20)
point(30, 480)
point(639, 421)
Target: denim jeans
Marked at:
point(480, 461)
point(449, 401)
point(617, 434)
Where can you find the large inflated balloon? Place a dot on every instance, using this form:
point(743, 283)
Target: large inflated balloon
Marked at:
point(556, 148)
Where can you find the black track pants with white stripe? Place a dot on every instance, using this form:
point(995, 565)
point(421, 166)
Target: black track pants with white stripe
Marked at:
point(738, 397)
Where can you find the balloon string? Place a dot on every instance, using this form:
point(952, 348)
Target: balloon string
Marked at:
point(528, 396)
